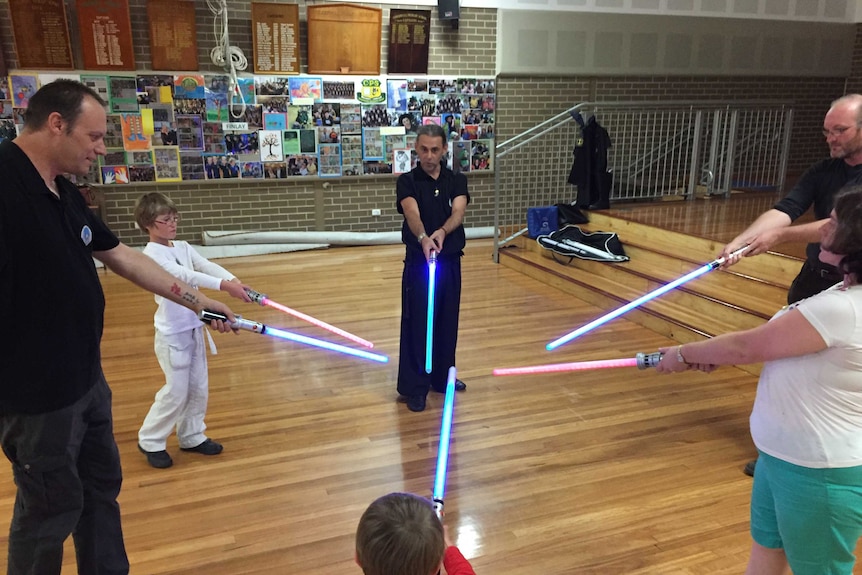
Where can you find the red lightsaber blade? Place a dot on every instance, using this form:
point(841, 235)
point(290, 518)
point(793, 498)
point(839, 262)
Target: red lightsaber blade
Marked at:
point(261, 299)
point(641, 361)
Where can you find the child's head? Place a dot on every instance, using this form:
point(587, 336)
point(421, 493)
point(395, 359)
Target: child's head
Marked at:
point(151, 206)
point(399, 534)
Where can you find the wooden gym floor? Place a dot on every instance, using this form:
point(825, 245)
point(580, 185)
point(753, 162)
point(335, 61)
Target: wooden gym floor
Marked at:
point(614, 471)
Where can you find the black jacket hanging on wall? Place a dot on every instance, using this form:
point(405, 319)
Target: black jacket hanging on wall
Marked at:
point(590, 167)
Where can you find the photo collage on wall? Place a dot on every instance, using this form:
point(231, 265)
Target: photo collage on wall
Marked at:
point(168, 128)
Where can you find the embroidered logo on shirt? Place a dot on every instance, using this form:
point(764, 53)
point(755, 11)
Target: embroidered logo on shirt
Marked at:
point(86, 235)
point(436, 193)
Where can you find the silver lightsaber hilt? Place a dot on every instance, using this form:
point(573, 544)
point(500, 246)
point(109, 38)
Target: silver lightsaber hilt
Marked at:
point(207, 316)
point(716, 263)
point(646, 360)
point(256, 296)
point(437, 504)
point(432, 259)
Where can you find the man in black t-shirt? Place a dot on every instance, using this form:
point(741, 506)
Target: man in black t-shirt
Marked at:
point(433, 201)
point(56, 426)
point(842, 128)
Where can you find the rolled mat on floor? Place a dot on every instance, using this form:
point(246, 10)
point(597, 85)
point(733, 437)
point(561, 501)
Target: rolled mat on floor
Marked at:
point(221, 238)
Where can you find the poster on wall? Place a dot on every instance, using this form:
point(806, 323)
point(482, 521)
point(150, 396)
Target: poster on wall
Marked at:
point(339, 90)
point(167, 163)
point(306, 88)
point(190, 133)
point(400, 161)
point(330, 160)
point(123, 93)
point(270, 146)
point(134, 138)
point(106, 35)
point(115, 175)
point(21, 88)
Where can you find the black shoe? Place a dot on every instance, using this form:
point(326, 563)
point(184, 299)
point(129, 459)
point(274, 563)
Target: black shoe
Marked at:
point(459, 386)
point(749, 468)
point(414, 402)
point(158, 459)
point(208, 447)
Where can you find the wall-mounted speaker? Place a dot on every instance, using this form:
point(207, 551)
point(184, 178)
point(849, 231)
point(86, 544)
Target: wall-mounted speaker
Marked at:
point(448, 9)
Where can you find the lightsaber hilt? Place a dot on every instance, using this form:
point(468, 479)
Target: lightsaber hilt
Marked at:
point(717, 262)
point(207, 316)
point(437, 505)
point(256, 296)
point(646, 360)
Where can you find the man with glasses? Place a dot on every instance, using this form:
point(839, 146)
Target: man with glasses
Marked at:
point(56, 426)
point(842, 128)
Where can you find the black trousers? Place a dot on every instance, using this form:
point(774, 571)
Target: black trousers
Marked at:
point(812, 279)
point(412, 379)
point(67, 469)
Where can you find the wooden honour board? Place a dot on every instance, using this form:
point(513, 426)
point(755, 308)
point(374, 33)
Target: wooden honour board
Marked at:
point(106, 35)
point(173, 34)
point(275, 38)
point(41, 34)
point(344, 39)
point(409, 33)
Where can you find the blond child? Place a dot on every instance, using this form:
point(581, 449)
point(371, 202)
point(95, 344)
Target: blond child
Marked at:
point(179, 341)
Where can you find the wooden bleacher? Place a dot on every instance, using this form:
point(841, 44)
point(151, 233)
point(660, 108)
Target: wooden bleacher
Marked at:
point(741, 297)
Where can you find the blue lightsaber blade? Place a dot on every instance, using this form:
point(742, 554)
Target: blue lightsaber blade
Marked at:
point(443, 449)
point(645, 298)
point(257, 327)
point(429, 322)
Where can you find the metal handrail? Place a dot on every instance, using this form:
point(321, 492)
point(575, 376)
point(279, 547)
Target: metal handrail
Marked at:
point(656, 151)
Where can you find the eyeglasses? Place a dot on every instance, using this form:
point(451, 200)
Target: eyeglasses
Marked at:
point(837, 132)
point(168, 221)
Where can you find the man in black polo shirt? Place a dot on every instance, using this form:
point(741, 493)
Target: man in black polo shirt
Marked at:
point(56, 426)
point(433, 201)
point(842, 128)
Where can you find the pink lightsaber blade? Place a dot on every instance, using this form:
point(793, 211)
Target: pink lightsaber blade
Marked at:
point(261, 299)
point(641, 361)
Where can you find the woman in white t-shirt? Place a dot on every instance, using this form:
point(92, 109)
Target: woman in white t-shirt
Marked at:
point(806, 502)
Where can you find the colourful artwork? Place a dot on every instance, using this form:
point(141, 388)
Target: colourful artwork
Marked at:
point(302, 87)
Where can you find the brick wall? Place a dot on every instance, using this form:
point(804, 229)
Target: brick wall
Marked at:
point(346, 204)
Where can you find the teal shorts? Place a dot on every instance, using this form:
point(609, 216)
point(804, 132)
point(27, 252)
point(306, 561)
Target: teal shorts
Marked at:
point(815, 515)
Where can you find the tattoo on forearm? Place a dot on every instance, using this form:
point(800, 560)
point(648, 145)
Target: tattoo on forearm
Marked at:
point(189, 297)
